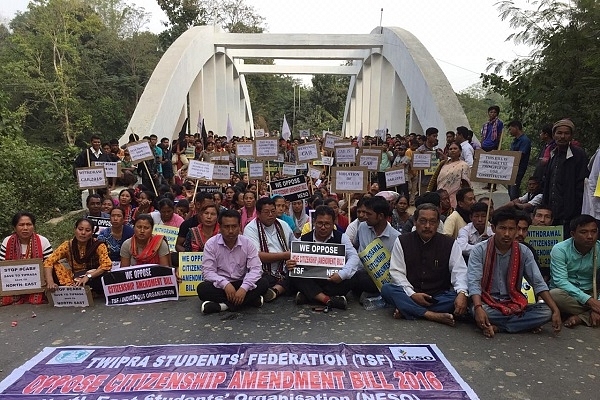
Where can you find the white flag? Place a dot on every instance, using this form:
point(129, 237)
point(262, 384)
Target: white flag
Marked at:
point(199, 125)
point(285, 129)
point(360, 139)
point(229, 132)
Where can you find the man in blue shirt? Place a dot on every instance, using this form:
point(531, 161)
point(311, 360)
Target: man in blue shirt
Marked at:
point(520, 143)
point(492, 130)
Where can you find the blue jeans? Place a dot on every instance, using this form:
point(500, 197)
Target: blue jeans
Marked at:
point(395, 295)
point(535, 315)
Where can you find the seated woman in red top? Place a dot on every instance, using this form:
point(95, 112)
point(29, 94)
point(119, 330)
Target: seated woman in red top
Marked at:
point(144, 247)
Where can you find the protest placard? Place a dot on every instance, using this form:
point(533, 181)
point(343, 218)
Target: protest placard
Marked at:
point(349, 179)
point(304, 133)
point(266, 149)
point(91, 178)
point(330, 139)
point(259, 133)
point(200, 170)
point(244, 149)
point(345, 154)
point(372, 150)
point(369, 161)
point(542, 239)
point(169, 232)
point(221, 173)
point(289, 169)
point(140, 284)
point(256, 170)
point(435, 162)
point(21, 277)
point(301, 166)
point(376, 260)
point(317, 260)
point(314, 173)
point(497, 166)
point(71, 296)
point(422, 160)
point(190, 272)
point(140, 151)
point(221, 157)
point(209, 189)
point(307, 152)
point(111, 169)
point(326, 160)
point(291, 189)
point(394, 177)
point(99, 224)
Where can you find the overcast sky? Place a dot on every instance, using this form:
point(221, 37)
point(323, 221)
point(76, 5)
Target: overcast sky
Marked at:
point(460, 34)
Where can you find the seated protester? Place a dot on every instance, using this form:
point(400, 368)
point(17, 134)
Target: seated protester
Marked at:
point(145, 203)
point(199, 202)
point(522, 230)
point(531, 199)
point(465, 198)
point(572, 271)
point(429, 274)
point(144, 247)
point(375, 226)
point(237, 282)
point(208, 227)
point(108, 204)
point(331, 291)
point(248, 211)
point(431, 198)
point(94, 205)
point(79, 261)
point(182, 208)
point(24, 243)
point(272, 239)
point(280, 209)
point(341, 221)
point(116, 235)
point(352, 230)
point(495, 273)
point(299, 215)
point(165, 214)
point(542, 216)
point(399, 214)
point(445, 206)
point(488, 203)
point(475, 231)
point(307, 228)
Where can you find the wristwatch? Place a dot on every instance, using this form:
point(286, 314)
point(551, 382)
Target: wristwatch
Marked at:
point(89, 276)
point(463, 292)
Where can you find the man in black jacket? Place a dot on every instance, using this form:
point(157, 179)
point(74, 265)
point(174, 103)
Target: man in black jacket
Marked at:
point(94, 153)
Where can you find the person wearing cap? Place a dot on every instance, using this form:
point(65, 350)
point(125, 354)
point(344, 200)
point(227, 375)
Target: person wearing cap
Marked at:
point(564, 176)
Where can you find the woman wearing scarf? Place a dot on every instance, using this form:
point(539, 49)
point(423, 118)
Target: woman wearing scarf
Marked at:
point(298, 213)
point(128, 204)
point(79, 261)
point(248, 212)
point(24, 243)
point(116, 235)
point(208, 227)
point(144, 247)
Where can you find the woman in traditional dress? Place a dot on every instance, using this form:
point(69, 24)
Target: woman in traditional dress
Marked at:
point(208, 227)
point(248, 212)
point(128, 203)
point(452, 174)
point(144, 247)
point(116, 235)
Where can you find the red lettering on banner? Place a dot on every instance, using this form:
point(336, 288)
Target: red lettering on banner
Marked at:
point(367, 380)
point(120, 287)
point(66, 384)
point(148, 283)
point(286, 380)
point(418, 381)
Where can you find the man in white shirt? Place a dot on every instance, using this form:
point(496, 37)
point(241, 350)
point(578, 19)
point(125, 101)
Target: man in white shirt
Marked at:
point(466, 154)
point(475, 231)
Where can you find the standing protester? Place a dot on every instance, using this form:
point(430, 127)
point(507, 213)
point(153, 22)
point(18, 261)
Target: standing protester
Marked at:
point(522, 144)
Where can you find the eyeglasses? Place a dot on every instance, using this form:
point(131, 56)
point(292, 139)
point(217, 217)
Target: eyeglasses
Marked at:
point(268, 212)
point(323, 224)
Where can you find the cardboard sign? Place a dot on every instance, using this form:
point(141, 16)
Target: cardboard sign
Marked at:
point(169, 232)
point(209, 189)
point(289, 169)
point(220, 157)
point(140, 284)
point(190, 272)
point(496, 166)
point(326, 160)
point(244, 149)
point(301, 166)
point(315, 173)
point(100, 222)
point(317, 260)
point(394, 177)
point(542, 239)
point(71, 296)
point(111, 169)
point(140, 151)
point(221, 173)
point(372, 150)
point(91, 178)
point(369, 161)
point(304, 133)
point(345, 154)
point(307, 152)
point(256, 170)
point(259, 133)
point(342, 143)
point(376, 260)
point(330, 139)
point(349, 179)
point(291, 189)
point(266, 149)
point(421, 160)
point(380, 133)
point(200, 170)
point(21, 277)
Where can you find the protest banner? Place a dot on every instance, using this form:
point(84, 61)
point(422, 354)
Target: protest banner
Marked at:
point(221, 173)
point(496, 166)
point(317, 260)
point(190, 272)
point(91, 178)
point(394, 177)
point(369, 161)
point(304, 133)
point(140, 284)
point(330, 139)
point(349, 179)
point(140, 151)
point(209, 189)
point(258, 133)
point(291, 189)
point(200, 170)
point(307, 152)
point(256, 170)
point(99, 224)
point(266, 149)
point(345, 154)
point(21, 277)
point(289, 169)
point(244, 149)
point(376, 260)
point(422, 160)
point(542, 239)
point(169, 232)
point(71, 296)
point(111, 169)
point(240, 371)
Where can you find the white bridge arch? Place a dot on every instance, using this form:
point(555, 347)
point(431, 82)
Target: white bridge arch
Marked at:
point(204, 71)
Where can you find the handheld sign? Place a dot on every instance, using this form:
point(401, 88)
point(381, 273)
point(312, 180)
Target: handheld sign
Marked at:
point(349, 179)
point(307, 152)
point(291, 189)
point(314, 173)
point(317, 260)
point(21, 277)
point(259, 133)
point(372, 150)
point(304, 133)
point(345, 154)
point(496, 166)
point(71, 296)
point(394, 177)
point(140, 151)
point(190, 272)
point(209, 189)
point(200, 170)
point(326, 160)
point(376, 260)
point(370, 161)
point(244, 149)
point(99, 224)
point(330, 139)
point(140, 284)
point(169, 232)
point(256, 170)
point(266, 149)
point(289, 169)
point(111, 169)
point(542, 239)
point(91, 178)
point(221, 173)
point(421, 160)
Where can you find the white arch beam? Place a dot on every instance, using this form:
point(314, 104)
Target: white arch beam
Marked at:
point(301, 54)
point(298, 69)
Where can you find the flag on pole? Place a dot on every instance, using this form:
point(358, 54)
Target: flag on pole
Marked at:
point(285, 129)
point(229, 132)
point(204, 135)
point(360, 137)
point(200, 122)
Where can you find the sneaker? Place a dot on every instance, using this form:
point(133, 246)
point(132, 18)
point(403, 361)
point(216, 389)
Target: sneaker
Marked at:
point(300, 299)
point(258, 302)
point(338, 302)
point(210, 307)
point(270, 295)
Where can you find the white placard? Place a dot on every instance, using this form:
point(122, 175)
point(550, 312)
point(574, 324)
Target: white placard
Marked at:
point(326, 160)
point(256, 170)
point(421, 160)
point(267, 149)
point(22, 276)
point(289, 169)
point(280, 157)
point(349, 180)
point(140, 151)
point(307, 152)
point(244, 149)
point(318, 183)
point(259, 133)
point(496, 167)
point(70, 296)
point(221, 173)
point(369, 161)
point(330, 140)
point(200, 170)
point(304, 133)
point(394, 177)
point(91, 178)
point(115, 265)
point(345, 154)
point(111, 169)
point(314, 173)
point(301, 166)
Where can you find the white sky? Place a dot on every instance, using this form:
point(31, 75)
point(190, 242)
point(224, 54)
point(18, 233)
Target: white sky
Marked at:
point(459, 34)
